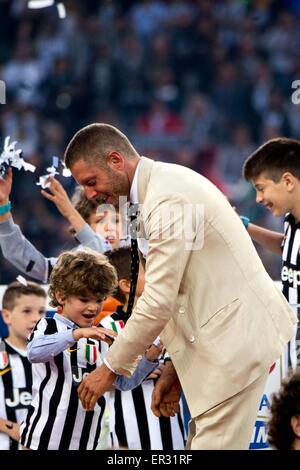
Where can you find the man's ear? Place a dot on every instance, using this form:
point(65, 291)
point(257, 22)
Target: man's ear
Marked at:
point(289, 180)
point(115, 161)
point(124, 286)
point(295, 423)
point(6, 315)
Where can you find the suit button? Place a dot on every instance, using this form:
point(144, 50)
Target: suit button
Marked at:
point(140, 357)
point(181, 310)
point(191, 339)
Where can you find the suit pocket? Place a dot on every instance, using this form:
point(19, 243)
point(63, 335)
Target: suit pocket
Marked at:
point(231, 337)
point(221, 315)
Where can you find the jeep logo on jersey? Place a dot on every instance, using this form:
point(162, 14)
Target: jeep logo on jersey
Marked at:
point(21, 399)
point(290, 275)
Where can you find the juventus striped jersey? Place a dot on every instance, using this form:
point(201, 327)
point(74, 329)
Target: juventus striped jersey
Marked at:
point(290, 275)
point(56, 418)
point(15, 389)
point(134, 426)
point(132, 423)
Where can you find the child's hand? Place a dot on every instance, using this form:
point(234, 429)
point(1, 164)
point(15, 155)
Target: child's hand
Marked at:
point(156, 373)
point(101, 334)
point(5, 187)
point(58, 195)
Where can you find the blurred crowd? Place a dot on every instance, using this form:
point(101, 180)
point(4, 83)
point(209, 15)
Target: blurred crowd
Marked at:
point(196, 82)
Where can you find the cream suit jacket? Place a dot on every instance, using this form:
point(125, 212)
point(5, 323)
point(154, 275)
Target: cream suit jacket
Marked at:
point(217, 311)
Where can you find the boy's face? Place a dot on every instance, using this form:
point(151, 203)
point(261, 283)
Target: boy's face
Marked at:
point(273, 196)
point(107, 223)
point(81, 310)
point(21, 320)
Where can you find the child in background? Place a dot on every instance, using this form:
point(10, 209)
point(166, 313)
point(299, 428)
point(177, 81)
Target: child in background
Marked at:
point(284, 422)
point(274, 171)
point(98, 231)
point(64, 348)
point(22, 307)
point(133, 425)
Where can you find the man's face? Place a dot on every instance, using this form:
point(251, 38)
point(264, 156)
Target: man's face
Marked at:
point(273, 196)
point(106, 183)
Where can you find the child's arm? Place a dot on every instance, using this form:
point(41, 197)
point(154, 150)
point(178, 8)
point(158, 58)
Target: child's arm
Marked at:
point(266, 238)
point(42, 347)
point(15, 247)
point(84, 234)
point(87, 237)
point(146, 365)
point(10, 428)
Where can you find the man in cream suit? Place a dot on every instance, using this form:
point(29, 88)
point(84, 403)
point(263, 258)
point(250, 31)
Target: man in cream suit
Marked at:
point(207, 294)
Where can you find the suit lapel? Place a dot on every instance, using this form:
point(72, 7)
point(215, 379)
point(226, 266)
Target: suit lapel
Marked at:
point(145, 168)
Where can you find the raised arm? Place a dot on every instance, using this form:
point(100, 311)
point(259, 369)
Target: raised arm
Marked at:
point(15, 247)
point(266, 238)
point(42, 346)
point(59, 197)
point(84, 234)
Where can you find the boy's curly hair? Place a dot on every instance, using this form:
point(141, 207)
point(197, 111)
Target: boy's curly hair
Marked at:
point(285, 405)
point(82, 273)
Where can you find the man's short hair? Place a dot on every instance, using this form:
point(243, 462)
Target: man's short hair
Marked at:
point(121, 260)
point(274, 158)
point(82, 273)
point(15, 290)
point(94, 142)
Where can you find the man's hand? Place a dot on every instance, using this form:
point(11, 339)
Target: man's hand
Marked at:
point(166, 393)
point(95, 385)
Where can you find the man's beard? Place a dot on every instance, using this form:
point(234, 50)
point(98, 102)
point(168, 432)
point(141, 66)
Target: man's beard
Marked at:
point(120, 190)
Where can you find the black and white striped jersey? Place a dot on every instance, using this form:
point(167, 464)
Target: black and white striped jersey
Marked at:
point(15, 389)
point(132, 423)
point(290, 273)
point(56, 419)
point(134, 426)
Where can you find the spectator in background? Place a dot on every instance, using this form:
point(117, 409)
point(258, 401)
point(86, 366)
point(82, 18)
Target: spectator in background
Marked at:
point(111, 57)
